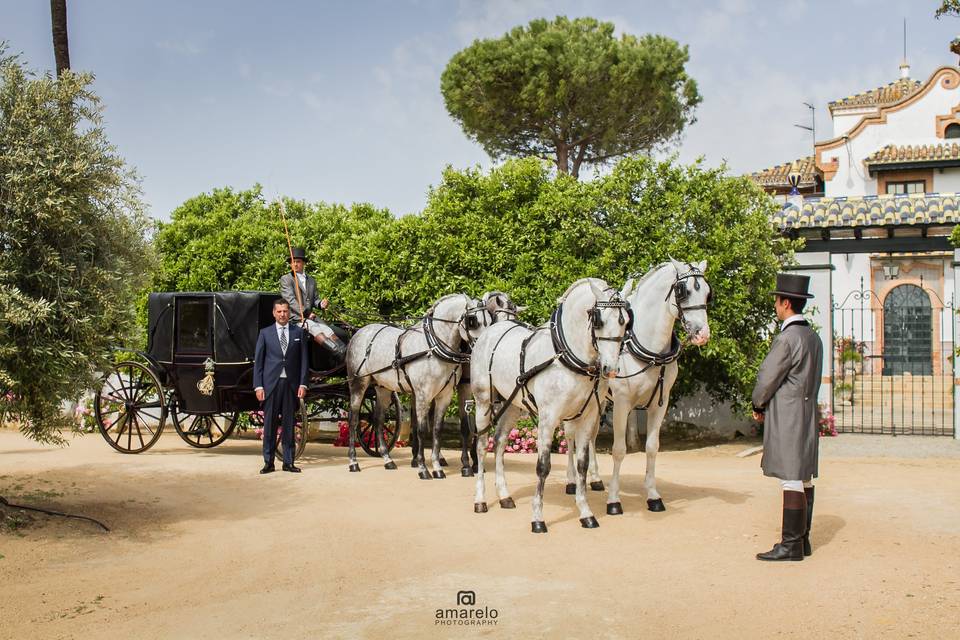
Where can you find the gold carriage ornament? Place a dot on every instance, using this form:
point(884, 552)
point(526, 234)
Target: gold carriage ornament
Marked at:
point(205, 385)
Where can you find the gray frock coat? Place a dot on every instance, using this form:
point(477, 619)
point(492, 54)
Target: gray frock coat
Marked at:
point(787, 386)
point(289, 294)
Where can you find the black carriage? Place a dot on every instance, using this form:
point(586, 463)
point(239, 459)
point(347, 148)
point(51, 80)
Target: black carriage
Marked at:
point(198, 371)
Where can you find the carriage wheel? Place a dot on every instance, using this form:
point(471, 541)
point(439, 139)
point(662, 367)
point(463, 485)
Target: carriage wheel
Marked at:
point(299, 433)
point(203, 431)
point(130, 408)
point(366, 433)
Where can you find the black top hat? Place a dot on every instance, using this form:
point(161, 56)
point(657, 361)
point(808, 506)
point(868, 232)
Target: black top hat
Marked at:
point(792, 286)
point(298, 252)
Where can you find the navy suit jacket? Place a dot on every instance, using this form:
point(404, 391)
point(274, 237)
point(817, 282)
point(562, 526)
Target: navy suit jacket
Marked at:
point(269, 360)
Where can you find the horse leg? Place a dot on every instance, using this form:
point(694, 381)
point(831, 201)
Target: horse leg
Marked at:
point(357, 390)
point(655, 416)
point(423, 416)
point(466, 437)
point(545, 430)
point(621, 410)
point(483, 422)
point(414, 436)
point(571, 488)
point(440, 404)
point(507, 421)
point(383, 400)
point(583, 438)
point(596, 484)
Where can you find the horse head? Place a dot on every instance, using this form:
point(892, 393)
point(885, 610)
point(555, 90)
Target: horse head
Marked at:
point(594, 320)
point(500, 306)
point(691, 296)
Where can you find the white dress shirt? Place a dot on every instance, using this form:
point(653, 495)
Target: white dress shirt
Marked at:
point(797, 317)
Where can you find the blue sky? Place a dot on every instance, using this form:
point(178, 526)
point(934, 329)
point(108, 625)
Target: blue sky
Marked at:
point(340, 101)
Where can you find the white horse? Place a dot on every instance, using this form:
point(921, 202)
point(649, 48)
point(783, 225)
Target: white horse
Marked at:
point(559, 371)
point(501, 307)
point(423, 361)
point(648, 364)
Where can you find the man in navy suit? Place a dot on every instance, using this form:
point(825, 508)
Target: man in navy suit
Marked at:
point(279, 378)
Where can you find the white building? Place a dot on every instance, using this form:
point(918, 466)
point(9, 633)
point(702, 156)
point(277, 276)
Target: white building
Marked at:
point(876, 205)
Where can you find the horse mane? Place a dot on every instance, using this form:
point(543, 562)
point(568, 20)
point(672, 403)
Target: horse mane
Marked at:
point(578, 283)
point(633, 283)
point(443, 298)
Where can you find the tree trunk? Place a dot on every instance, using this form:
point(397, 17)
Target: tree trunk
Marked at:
point(61, 49)
point(578, 160)
point(563, 158)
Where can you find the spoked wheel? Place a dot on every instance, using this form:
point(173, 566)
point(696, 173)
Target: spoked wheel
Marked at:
point(203, 430)
point(130, 408)
point(299, 433)
point(367, 434)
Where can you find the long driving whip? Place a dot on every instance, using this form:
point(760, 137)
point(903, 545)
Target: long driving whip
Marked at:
point(296, 281)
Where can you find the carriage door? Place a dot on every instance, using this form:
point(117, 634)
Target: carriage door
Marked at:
point(907, 332)
point(192, 346)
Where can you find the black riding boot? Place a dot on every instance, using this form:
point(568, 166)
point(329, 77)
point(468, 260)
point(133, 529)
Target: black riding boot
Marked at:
point(790, 546)
point(334, 346)
point(807, 549)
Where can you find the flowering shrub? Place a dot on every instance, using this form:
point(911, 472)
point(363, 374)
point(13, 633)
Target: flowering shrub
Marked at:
point(523, 439)
point(8, 403)
point(369, 437)
point(86, 420)
point(826, 422)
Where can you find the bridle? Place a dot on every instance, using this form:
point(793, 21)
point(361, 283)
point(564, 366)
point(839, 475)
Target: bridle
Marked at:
point(472, 319)
point(562, 347)
point(681, 292)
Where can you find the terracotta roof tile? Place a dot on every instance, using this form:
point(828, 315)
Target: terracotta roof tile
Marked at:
point(778, 176)
point(894, 154)
point(893, 92)
point(926, 208)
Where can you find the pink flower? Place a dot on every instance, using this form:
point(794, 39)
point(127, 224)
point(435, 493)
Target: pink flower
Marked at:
point(514, 433)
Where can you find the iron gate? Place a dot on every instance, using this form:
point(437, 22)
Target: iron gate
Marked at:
point(892, 369)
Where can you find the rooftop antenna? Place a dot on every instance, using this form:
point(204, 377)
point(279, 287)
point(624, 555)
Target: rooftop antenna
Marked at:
point(904, 67)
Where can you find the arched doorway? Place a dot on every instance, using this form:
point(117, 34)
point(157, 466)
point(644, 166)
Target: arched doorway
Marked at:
point(907, 332)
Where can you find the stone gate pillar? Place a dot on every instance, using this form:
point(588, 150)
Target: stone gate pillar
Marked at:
point(817, 265)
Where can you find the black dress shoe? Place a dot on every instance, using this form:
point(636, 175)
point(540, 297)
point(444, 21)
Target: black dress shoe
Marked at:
point(290, 468)
point(268, 468)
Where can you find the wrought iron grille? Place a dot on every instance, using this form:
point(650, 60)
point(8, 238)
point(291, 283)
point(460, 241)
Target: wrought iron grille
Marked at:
point(893, 363)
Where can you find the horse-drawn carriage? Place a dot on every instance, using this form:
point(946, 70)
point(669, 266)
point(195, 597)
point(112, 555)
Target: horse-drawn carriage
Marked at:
point(198, 371)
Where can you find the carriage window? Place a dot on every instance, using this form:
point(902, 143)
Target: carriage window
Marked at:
point(193, 326)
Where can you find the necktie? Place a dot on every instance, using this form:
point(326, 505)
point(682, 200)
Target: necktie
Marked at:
point(283, 340)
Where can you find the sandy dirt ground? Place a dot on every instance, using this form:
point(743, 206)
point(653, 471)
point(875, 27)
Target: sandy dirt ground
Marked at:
point(203, 547)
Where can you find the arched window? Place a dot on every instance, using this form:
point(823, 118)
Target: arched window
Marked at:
point(952, 130)
point(907, 332)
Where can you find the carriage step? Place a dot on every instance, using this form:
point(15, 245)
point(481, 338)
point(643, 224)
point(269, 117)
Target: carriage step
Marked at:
point(656, 505)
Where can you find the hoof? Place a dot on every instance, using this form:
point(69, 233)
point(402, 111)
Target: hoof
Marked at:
point(571, 489)
point(473, 467)
point(466, 472)
point(354, 468)
point(538, 526)
point(443, 462)
point(480, 507)
point(439, 475)
point(390, 465)
point(596, 486)
point(424, 475)
point(589, 523)
point(413, 463)
point(656, 505)
point(507, 503)
point(614, 509)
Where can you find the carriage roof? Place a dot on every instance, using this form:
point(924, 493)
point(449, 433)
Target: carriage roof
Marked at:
point(224, 324)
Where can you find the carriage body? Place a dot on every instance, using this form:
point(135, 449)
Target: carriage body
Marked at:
point(198, 371)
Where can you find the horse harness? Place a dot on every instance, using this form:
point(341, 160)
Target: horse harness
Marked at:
point(435, 346)
point(562, 352)
point(681, 292)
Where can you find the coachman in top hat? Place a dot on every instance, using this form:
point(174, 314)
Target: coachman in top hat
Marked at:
point(303, 289)
point(785, 401)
